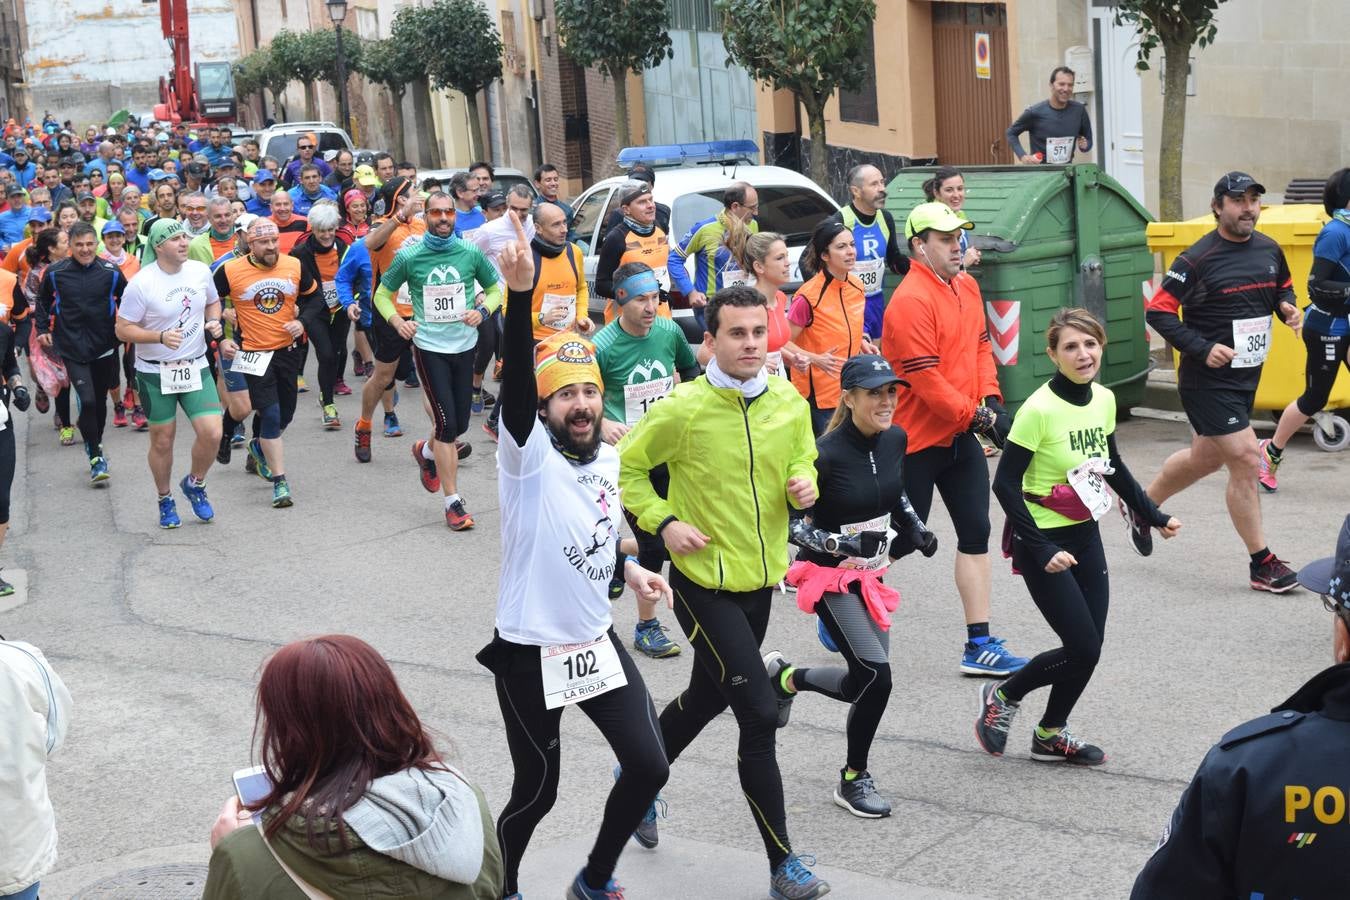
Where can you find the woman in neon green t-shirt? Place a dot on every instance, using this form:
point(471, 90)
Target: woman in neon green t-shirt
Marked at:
point(1052, 481)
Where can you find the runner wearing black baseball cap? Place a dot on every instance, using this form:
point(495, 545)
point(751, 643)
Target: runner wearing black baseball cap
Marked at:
point(1230, 282)
point(860, 524)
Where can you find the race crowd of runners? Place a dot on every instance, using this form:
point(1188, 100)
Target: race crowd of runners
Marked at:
point(796, 451)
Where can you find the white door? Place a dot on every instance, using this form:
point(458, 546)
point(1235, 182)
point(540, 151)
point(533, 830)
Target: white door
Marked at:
point(1122, 131)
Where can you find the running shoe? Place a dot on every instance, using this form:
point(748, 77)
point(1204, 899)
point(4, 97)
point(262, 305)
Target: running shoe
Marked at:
point(996, 715)
point(42, 401)
point(331, 422)
point(196, 494)
point(491, 431)
point(340, 388)
point(476, 406)
point(1064, 747)
point(67, 435)
point(457, 517)
point(991, 659)
point(119, 416)
point(255, 453)
point(411, 382)
point(250, 466)
point(825, 640)
point(581, 891)
point(774, 664)
point(463, 449)
point(1268, 465)
point(489, 401)
point(281, 495)
point(237, 440)
point(168, 513)
point(497, 371)
point(391, 426)
point(224, 452)
point(1138, 531)
point(300, 386)
point(647, 834)
point(98, 471)
point(792, 880)
point(427, 468)
point(616, 584)
point(358, 365)
point(138, 419)
point(1273, 575)
point(860, 797)
point(362, 444)
point(652, 641)
point(6, 589)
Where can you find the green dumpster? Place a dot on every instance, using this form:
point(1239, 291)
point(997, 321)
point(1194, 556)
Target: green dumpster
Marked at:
point(1050, 237)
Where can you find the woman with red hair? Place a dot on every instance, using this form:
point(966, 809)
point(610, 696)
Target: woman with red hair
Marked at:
point(361, 803)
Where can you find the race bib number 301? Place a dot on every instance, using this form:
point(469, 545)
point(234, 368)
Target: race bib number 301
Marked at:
point(576, 672)
point(443, 302)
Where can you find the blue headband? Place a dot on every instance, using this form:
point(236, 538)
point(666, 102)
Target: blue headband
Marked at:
point(636, 285)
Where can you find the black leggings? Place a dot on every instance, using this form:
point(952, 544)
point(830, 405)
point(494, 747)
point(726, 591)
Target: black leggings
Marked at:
point(448, 386)
point(330, 349)
point(726, 629)
point(866, 683)
point(6, 470)
point(62, 404)
point(1326, 355)
point(91, 382)
point(961, 475)
point(489, 332)
point(1074, 603)
point(626, 718)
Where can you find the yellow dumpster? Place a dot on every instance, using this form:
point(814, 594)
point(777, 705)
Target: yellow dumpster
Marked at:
point(1294, 226)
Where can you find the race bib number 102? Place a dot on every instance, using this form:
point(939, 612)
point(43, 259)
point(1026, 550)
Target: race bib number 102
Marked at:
point(576, 672)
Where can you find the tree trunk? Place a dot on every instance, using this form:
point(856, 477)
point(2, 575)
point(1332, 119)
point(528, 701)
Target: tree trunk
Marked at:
point(426, 123)
point(311, 102)
point(815, 116)
point(400, 145)
point(621, 135)
point(278, 107)
point(1176, 69)
point(475, 127)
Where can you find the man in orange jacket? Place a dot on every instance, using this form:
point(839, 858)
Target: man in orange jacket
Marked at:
point(935, 336)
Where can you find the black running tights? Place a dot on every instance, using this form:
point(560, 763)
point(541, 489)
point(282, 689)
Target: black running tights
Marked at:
point(866, 683)
point(725, 629)
point(330, 349)
point(1074, 604)
point(626, 718)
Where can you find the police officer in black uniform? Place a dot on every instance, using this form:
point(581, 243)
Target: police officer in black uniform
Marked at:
point(1267, 814)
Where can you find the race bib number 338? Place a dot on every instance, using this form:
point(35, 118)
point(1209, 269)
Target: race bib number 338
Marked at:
point(576, 672)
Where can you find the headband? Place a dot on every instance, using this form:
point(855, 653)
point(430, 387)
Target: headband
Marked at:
point(636, 285)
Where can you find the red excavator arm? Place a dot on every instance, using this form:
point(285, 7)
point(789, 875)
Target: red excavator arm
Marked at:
point(177, 94)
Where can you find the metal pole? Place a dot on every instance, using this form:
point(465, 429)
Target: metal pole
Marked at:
point(342, 81)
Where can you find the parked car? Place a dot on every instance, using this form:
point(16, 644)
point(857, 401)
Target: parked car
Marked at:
point(505, 178)
point(789, 203)
point(279, 141)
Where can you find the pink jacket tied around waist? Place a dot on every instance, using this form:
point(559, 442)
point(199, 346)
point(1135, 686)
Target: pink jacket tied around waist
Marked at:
point(813, 582)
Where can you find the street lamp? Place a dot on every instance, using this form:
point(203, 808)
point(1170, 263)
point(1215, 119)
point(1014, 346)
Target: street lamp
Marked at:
point(337, 12)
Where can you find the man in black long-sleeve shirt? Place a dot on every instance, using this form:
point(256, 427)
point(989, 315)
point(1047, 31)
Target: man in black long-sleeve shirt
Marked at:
point(1055, 127)
point(76, 316)
point(1230, 281)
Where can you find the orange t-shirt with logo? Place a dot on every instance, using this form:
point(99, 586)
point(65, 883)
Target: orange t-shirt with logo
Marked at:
point(264, 299)
point(289, 235)
point(381, 258)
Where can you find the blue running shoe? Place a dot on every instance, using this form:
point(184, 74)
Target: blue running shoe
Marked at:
point(792, 880)
point(391, 426)
point(581, 891)
point(260, 467)
point(196, 494)
point(168, 513)
point(825, 640)
point(237, 439)
point(476, 405)
point(647, 833)
point(990, 659)
point(652, 641)
point(98, 471)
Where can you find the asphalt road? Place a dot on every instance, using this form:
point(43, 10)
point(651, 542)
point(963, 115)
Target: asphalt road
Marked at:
point(160, 636)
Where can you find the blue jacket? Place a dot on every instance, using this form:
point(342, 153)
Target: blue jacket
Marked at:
point(12, 225)
point(24, 174)
point(353, 279)
point(216, 157)
point(258, 206)
point(304, 202)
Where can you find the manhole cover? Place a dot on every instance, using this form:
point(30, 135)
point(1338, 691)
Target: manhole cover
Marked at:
point(149, 883)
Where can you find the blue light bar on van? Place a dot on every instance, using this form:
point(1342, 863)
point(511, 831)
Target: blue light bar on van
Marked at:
point(690, 154)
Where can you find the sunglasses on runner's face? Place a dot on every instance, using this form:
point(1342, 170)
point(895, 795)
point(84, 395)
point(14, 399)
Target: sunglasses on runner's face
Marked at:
point(304, 146)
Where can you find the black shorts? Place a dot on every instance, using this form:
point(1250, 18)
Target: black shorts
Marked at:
point(1216, 413)
point(278, 383)
point(388, 345)
point(447, 379)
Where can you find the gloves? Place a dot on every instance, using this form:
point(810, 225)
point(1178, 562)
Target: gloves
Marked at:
point(982, 422)
point(21, 398)
point(864, 544)
point(916, 538)
point(992, 421)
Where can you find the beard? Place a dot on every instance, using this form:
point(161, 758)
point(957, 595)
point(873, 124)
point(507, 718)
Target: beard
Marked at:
point(579, 448)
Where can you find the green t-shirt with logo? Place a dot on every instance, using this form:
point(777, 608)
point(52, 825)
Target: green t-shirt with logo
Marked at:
point(1061, 437)
point(441, 288)
point(638, 371)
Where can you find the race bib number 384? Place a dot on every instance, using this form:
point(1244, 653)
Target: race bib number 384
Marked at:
point(576, 672)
